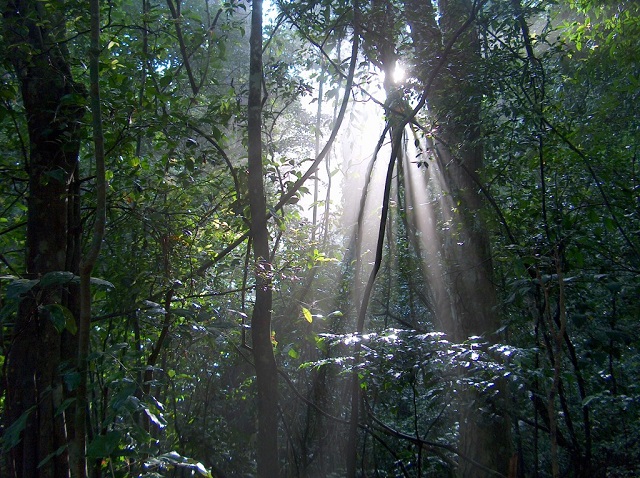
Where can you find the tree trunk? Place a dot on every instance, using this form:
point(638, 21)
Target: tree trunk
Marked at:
point(266, 372)
point(34, 387)
point(78, 459)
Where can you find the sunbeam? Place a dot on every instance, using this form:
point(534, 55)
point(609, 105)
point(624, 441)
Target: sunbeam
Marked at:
point(428, 206)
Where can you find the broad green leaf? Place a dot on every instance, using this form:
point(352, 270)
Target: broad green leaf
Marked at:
point(119, 399)
point(11, 436)
point(102, 283)
point(62, 318)
point(158, 420)
point(20, 287)
point(58, 452)
point(153, 308)
point(57, 278)
point(103, 445)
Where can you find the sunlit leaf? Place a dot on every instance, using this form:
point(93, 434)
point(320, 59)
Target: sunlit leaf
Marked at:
point(307, 314)
point(102, 283)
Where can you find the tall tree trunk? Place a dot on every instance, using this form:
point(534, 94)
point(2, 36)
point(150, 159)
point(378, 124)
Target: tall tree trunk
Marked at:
point(470, 310)
point(79, 462)
point(266, 372)
point(34, 388)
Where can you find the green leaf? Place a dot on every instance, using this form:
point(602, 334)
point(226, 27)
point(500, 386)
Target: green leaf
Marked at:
point(63, 406)
point(62, 318)
point(55, 316)
point(71, 380)
point(103, 445)
point(292, 352)
point(58, 452)
point(102, 283)
point(165, 81)
point(158, 420)
point(175, 459)
point(614, 286)
point(609, 224)
point(307, 314)
point(57, 175)
point(57, 278)
point(8, 309)
point(119, 399)
point(11, 436)
point(18, 288)
point(153, 308)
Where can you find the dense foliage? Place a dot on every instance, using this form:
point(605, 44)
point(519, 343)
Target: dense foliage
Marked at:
point(545, 92)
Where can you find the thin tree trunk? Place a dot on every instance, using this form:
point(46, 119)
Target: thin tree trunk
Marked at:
point(79, 468)
point(264, 360)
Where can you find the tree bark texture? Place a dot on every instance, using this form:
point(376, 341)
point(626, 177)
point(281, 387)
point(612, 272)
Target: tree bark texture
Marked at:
point(266, 372)
point(469, 309)
point(33, 30)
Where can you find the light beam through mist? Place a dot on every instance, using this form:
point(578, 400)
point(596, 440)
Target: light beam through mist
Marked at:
point(428, 205)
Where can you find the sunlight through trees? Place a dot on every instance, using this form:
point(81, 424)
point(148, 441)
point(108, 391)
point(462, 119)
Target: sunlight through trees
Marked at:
point(320, 238)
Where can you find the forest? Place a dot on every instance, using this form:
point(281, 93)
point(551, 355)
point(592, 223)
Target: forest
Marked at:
point(320, 238)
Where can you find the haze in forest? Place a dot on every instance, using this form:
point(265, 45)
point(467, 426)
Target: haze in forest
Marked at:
point(319, 239)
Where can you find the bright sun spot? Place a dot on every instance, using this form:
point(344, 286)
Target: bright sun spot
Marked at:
point(399, 74)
